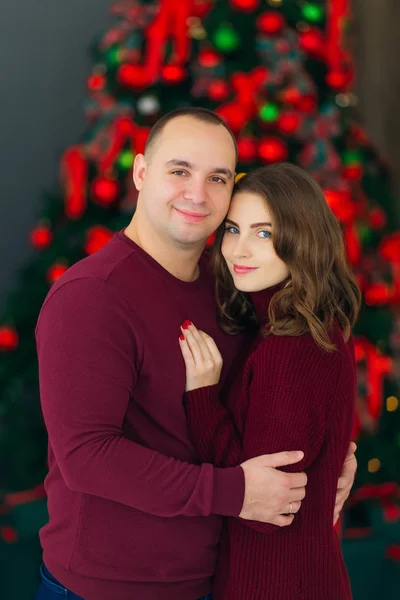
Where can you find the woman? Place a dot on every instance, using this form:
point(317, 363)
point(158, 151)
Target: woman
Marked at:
point(280, 266)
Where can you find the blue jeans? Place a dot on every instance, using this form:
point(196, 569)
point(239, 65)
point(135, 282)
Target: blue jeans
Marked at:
point(51, 589)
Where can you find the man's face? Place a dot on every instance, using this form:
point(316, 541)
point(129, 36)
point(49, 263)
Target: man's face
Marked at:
point(186, 182)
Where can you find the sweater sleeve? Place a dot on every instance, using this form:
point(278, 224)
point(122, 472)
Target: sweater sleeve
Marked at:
point(89, 361)
point(287, 408)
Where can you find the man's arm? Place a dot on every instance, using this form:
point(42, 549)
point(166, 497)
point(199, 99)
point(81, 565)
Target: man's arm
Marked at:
point(88, 364)
point(346, 481)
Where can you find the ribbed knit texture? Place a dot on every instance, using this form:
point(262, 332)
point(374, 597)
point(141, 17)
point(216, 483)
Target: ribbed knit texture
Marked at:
point(290, 395)
point(132, 513)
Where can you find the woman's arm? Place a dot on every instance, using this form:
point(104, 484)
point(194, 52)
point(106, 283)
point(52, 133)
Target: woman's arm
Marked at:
point(287, 407)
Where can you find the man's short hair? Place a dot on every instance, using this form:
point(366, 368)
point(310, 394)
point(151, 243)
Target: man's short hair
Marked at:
point(199, 113)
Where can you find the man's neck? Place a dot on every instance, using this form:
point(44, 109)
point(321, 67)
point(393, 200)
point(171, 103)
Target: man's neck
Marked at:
point(181, 263)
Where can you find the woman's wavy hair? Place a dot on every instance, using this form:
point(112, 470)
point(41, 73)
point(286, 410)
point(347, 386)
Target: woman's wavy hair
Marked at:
point(308, 238)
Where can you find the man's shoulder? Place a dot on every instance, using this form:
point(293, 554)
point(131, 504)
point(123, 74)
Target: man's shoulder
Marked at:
point(99, 271)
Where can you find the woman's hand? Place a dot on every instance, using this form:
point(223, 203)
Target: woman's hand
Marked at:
point(202, 358)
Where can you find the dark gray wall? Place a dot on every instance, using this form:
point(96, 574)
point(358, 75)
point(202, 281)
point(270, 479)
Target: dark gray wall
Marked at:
point(43, 69)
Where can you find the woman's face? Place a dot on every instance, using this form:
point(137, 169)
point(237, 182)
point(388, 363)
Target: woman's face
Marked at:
point(247, 245)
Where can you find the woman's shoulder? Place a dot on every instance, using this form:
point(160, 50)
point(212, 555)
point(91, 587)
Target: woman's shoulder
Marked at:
point(301, 350)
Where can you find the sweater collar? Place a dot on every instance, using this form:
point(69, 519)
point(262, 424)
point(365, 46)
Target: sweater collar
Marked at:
point(262, 299)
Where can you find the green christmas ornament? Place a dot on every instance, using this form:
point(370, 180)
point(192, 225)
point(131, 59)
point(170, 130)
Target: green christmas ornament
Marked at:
point(226, 38)
point(312, 12)
point(125, 160)
point(269, 112)
point(351, 157)
point(113, 56)
point(365, 234)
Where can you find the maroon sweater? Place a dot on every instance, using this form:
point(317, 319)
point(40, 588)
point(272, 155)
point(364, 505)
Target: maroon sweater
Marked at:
point(290, 395)
point(132, 512)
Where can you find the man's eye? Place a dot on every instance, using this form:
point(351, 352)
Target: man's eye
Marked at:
point(179, 172)
point(219, 179)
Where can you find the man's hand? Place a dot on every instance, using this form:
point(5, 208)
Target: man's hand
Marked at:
point(272, 496)
point(346, 480)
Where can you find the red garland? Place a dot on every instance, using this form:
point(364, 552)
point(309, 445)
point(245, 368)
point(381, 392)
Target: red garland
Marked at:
point(338, 12)
point(73, 173)
point(378, 366)
point(170, 23)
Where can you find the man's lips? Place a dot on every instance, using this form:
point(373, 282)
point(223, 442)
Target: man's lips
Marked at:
point(191, 217)
point(243, 270)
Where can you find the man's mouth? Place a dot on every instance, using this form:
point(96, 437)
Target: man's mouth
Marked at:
point(191, 217)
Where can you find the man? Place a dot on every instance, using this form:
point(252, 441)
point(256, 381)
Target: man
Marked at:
point(132, 513)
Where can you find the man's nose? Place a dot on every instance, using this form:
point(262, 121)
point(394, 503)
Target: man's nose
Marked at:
point(195, 192)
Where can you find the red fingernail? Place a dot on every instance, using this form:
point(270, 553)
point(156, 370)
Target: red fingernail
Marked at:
point(182, 337)
point(186, 325)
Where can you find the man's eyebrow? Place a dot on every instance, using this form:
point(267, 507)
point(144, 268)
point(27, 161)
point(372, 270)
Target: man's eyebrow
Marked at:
point(253, 226)
point(175, 162)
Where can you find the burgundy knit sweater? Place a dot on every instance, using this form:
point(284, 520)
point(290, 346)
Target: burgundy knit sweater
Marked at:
point(132, 512)
point(290, 395)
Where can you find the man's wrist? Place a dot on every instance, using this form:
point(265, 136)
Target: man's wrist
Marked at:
point(229, 488)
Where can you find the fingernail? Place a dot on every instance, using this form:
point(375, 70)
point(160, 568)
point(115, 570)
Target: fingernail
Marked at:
point(186, 325)
point(182, 337)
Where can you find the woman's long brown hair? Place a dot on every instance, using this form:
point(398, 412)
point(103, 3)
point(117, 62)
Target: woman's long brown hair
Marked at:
point(307, 237)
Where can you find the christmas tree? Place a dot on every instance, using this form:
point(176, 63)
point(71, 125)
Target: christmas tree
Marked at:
point(280, 75)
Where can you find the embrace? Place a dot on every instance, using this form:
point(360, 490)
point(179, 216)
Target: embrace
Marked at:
point(199, 408)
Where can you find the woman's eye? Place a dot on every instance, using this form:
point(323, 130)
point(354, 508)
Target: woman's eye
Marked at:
point(231, 229)
point(264, 234)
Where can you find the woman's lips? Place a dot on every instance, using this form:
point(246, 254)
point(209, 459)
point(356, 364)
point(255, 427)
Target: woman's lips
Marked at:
point(243, 270)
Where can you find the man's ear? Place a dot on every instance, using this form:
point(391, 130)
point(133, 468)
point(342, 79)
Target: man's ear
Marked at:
point(139, 171)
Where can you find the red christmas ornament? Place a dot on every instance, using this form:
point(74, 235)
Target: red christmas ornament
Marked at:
point(133, 76)
point(377, 218)
point(173, 73)
point(96, 82)
point(9, 534)
point(391, 513)
point(341, 205)
point(272, 149)
point(247, 149)
point(312, 41)
point(9, 338)
point(339, 80)
point(291, 95)
point(232, 114)
point(41, 236)
point(218, 90)
point(201, 8)
point(209, 58)
point(56, 271)
point(353, 172)
point(288, 122)
point(271, 22)
point(245, 5)
point(307, 104)
point(96, 238)
point(105, 191)
point(389, 248)
point(377, 294)
point(393, 552)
